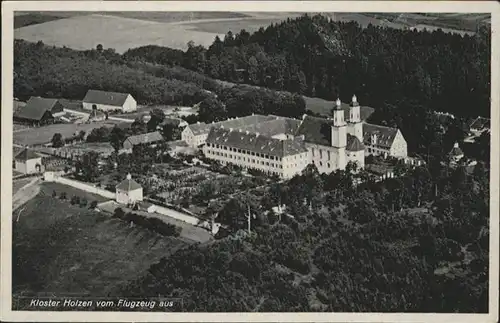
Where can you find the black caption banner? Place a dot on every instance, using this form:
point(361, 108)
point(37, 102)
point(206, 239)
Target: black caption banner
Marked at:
point(61, 304)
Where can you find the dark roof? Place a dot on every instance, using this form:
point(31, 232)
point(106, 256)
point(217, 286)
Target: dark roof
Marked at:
point(172, 121)
point(480, 123)
point(144, 138)
point(385, 135)
point(27, 154)
point(128, 185)
point(235, 123)
point(353, 143)
point(316, 130)
point(256, 143)
point(108, 98)
point(35, 108)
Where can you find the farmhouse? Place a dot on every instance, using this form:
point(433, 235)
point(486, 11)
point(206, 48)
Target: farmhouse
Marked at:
point(128, 191)
point(109, 101)
point(38, 111)
point(28, 162)
point(147, 139)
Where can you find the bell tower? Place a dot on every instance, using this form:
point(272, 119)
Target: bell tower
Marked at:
point(339, 134)
point(355, 124)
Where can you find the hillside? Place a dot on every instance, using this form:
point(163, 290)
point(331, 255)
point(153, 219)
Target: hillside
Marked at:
point(62, 248)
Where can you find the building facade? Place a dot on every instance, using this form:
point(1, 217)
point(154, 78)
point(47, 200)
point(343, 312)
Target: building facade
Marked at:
point(28, 162)
point(285, 146)
point(109, 101)
point(128, 191)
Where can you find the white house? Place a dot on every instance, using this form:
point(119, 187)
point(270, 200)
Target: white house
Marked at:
point(109, 101)
point(128, 191)
point(28, 162)
point(385, 141)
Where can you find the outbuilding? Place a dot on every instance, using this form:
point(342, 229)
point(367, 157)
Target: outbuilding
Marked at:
point(28, 162)
point(128, 191)
point(109, 101)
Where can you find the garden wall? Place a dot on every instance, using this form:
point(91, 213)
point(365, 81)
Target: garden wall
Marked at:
point(80, 185)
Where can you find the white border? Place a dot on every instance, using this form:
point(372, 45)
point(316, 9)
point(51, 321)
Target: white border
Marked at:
point(492, 7)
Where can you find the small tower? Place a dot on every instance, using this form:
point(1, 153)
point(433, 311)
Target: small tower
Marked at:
point(355, 125)
point(339, 134)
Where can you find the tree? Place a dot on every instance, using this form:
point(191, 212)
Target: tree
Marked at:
point(116, 138)
point(99, 48)
point(157, 117)
point(88, 166)
point(57, 140)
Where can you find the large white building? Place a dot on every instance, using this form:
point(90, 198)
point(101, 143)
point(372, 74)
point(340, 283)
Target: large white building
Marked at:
point(109, 101)
point(285, 146)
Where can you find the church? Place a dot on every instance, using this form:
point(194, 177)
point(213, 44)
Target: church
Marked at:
point(285, 146)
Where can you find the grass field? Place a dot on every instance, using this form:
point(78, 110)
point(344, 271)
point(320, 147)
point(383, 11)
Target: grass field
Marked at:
point(62, 249)
point(47, 188)
point(126, 30)
point(42, 135)
point(18, 184)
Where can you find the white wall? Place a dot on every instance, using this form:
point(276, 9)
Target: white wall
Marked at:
point(125, 197)
point(399, 147)
point(82, 186)
point(29, 166)
point(129, 105)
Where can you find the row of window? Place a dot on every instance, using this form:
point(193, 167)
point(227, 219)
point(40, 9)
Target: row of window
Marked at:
point(245, 159)
point(320, 151)
point(243, 151)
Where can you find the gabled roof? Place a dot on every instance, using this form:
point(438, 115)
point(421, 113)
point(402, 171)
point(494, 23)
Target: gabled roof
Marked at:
point(378, 169)
point(144, 138)
point(26, 154)
point(256, 143)
point(35, 108)
point(103, 97)
point(385, 135)
point(128, 185)
point(480, 123)
point(316, 130)
point(353, 143)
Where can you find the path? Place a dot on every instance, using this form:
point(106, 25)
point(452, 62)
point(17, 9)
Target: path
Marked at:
point(25, 193)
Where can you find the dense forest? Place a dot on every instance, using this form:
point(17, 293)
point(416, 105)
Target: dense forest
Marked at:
point(47, 71)
point(418, 243)
point(320, 58)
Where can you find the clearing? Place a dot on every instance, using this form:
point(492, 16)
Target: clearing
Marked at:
point(44, 134)
point(130, 30)
point(63, 249)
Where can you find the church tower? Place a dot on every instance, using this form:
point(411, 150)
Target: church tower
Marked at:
point(355, 125)
point(339, 134)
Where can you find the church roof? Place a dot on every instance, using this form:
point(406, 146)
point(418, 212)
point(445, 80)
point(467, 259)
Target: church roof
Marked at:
point(27, 154)
point(128, 185)
point(255, 142)
point(316, 130)
point(353, 143)
point(103, 97)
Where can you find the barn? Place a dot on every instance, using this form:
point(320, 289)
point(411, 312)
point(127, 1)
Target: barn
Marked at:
point(109, 101)
point(38, 111)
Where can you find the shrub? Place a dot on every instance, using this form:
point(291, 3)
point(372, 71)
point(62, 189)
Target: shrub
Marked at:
point(75, 200)
point(54, 193)
point(83, 202)
point(62, 196)
point(93, 205)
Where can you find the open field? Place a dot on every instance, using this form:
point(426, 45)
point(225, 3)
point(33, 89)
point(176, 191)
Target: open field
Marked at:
point(43, 135)
point(64, 249)
point(173, 30)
